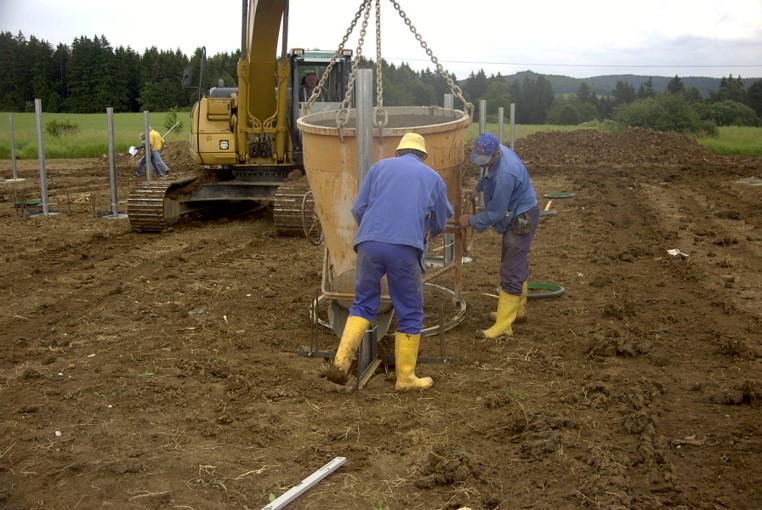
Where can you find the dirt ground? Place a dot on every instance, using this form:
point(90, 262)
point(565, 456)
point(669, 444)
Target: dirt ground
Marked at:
point(163, 371)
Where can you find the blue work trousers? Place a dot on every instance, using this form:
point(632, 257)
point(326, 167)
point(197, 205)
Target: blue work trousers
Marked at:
point(158, 162)
point(514, 259)
point(401, 265)
point(142, 165)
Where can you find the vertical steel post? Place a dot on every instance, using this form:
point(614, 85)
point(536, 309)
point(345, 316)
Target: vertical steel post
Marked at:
point(112, 165)
point(482, 116)
point(500, 121)
point(482, 130)
point(364, 139)
point(364, 148)
point(13, 147)
point(449, 238)
point(41, 158)
point(112, 159)
point(513, 126)
point(147, 146)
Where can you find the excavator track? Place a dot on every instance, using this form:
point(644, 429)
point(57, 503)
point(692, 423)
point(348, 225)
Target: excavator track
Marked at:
point(287, 208)
point(150, 209)
point(155, 206)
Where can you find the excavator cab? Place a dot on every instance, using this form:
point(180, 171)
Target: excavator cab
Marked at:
point(332, 92)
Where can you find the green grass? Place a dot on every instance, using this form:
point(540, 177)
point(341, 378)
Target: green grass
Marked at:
point(735, 141)
point(89, 136)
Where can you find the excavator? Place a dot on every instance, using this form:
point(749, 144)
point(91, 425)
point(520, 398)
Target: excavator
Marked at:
point(245, 138)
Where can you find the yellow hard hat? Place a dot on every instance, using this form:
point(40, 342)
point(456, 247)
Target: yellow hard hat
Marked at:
point(412, 141)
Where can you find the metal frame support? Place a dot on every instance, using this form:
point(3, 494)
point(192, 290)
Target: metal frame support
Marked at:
point(367, 357)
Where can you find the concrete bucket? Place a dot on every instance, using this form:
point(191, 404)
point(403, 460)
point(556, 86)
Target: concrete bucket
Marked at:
point(330, 162)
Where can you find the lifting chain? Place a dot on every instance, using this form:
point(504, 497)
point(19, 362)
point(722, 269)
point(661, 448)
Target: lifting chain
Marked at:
point(343, 114)
point(317, 91)
point(380, 114)
point(454, 88)
point(379, 110)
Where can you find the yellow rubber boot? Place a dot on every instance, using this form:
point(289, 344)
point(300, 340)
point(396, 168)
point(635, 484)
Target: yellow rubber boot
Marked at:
point(507, 307)
point(521, 313)
point(351, 337)
point(405, 359)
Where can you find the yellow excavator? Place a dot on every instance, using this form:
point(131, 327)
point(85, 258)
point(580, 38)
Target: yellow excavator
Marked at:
point(245, 138)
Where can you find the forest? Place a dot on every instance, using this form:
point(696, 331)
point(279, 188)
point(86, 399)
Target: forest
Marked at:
point(90, 75)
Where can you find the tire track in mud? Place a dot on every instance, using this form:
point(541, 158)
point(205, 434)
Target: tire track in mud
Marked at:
point(719, 235)
point(633, 330)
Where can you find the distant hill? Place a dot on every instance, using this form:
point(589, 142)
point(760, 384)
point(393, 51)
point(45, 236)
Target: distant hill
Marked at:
point(603, 85)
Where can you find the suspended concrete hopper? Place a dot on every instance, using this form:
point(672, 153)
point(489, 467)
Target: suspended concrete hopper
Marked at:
point(331, 165)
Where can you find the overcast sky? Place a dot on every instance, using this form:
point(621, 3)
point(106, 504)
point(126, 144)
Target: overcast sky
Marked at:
point(581, 38)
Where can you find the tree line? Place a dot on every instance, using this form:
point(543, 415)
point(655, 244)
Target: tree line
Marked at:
point(90, 75)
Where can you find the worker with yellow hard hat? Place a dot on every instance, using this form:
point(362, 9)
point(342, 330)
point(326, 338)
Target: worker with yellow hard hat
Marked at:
point(400, 199)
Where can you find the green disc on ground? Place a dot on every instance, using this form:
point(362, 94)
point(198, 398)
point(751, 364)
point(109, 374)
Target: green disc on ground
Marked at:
point(539, 290)
point(559, 194)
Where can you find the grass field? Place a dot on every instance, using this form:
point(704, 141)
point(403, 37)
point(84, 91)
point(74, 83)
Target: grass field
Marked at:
point(86, 135)
point(735, 140)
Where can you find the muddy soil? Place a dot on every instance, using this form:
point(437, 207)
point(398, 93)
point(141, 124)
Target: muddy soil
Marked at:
point(164, 371)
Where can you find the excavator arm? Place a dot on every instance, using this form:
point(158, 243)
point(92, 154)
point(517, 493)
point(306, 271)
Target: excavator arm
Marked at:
point(249, 128)
point(263, 80)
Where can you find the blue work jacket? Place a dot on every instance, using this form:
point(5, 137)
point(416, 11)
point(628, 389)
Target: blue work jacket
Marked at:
point(399, 200)
point(507, 190)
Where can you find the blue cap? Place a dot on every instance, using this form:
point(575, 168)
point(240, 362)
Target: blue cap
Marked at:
point(485, 146)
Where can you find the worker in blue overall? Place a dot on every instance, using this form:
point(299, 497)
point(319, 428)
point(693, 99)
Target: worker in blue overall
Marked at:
point(510, 208)
point(400, 199)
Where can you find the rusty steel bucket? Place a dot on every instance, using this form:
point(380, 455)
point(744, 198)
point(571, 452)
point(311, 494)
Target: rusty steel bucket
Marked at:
point(330, 162)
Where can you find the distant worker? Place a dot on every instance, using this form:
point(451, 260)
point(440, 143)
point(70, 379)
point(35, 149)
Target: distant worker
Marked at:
point(142, 163)
point(157, 144)
point(399, 200)
point(309, 82)
point(510, 208)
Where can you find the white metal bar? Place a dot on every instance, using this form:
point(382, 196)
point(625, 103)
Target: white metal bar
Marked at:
point(306, 484)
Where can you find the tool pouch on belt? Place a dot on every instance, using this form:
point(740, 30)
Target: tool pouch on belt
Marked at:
point(522, 224)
